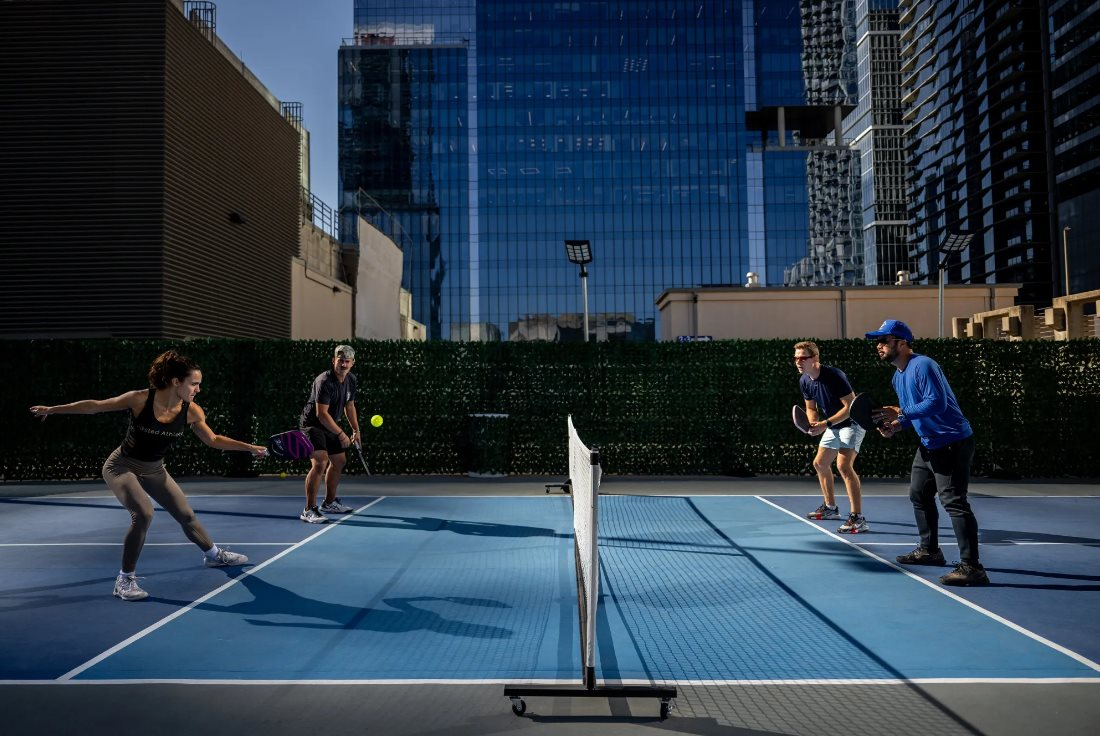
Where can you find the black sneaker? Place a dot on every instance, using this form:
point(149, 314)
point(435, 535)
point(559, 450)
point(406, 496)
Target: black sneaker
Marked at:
point(824, 511)
point(966, 574)
point(921, 556)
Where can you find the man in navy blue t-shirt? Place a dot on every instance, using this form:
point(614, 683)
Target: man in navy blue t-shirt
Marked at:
point(828, 396)
point(942, 463)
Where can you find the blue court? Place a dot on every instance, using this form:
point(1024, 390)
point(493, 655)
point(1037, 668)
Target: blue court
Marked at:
point(482, 589)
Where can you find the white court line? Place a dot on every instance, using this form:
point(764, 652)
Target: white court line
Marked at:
point(605, 491)
point(111, 496)
point(941, 590)
point(977, 494)
point(1004, 543)
point(147, 544)
point(442, 681)
point(150, 629)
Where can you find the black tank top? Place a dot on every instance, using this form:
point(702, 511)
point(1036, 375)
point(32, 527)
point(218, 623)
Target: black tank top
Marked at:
point(148, 439)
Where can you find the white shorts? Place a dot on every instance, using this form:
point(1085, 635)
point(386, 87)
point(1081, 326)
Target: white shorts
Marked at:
point(846, 438)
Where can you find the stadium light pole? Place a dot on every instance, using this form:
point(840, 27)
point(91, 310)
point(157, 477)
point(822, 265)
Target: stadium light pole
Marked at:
point(580, 252)
point(954, 243)
point(1065, 255)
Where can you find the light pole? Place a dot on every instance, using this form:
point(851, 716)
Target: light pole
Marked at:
point(580, 252)
point(952, 244)
point(1065, 256)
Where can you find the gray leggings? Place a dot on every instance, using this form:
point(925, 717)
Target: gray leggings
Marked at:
point(133, 482)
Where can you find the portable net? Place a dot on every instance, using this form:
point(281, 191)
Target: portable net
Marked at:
point(584, 480)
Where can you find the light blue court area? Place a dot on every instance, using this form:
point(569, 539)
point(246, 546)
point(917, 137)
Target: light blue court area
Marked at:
point(718, 588)
point(460, 589)
point(407, 589)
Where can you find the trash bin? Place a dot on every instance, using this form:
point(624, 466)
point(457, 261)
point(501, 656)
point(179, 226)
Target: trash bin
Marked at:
point(489, 449)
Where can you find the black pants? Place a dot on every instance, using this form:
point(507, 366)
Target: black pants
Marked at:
point(945, 472)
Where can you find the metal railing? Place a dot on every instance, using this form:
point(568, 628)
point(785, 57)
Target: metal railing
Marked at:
point(320, 214)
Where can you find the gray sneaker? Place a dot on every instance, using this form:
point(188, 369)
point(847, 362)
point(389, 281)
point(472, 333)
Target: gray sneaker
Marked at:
point(824, 511)
point(312, 516)
point(855, 524)
point(127, 589)
point(966, 574)
point(225, 558)
point(335, 507)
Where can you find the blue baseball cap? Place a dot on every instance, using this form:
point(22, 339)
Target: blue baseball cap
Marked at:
point(894, 327)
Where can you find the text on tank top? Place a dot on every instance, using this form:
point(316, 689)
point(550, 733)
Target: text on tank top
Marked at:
point(149, 439)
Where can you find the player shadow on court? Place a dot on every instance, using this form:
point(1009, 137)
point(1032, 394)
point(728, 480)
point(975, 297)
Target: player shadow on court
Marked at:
point(269, 599)
point(52, 595)
point(869, 564)
point(111, 504)
point(997, 582)
point(1004, 536)
point(433, 524)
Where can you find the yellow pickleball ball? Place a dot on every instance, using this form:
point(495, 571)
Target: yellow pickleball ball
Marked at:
point(283, 474)
point(376, 420)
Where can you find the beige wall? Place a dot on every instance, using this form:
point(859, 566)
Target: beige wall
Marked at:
point(410, 328)
point(320, 251)
point(378, 284)
point(821, 312)
point(320, 306)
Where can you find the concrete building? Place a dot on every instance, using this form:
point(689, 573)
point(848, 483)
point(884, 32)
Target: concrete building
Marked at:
point(150, 183)
point(820, 312)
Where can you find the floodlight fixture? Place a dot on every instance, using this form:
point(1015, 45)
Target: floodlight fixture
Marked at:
point(578, 251)
point(953, 243)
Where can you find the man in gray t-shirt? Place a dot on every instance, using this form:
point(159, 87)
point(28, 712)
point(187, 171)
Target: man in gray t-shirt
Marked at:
point(331, 397)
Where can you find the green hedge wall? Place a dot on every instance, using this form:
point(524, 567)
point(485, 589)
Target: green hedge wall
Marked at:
point(651, 408)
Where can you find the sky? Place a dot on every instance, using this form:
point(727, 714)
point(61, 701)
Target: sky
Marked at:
point(291, 46)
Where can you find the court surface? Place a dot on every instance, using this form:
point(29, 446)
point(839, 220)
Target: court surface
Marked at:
point(411, 613)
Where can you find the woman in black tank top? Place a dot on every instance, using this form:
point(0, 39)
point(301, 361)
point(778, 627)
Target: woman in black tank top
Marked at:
point(135, 471)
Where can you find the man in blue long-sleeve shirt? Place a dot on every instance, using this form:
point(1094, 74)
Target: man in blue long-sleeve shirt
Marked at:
point(941, 465)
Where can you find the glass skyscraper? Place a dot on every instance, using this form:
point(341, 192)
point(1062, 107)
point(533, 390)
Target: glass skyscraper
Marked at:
point(976, 125)
point(1075, 116)
point(877, 132)
point(482, 134)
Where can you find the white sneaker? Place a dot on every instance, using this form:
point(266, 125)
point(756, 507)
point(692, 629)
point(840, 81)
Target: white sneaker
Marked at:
point(335, 507)
point(312, 516)
point(127, 589)
point(225, 558)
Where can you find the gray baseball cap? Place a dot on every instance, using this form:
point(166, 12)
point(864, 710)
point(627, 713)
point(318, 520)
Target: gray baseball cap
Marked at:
point(344, 351)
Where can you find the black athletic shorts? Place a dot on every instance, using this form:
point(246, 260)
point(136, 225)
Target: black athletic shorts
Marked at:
point(322, 439)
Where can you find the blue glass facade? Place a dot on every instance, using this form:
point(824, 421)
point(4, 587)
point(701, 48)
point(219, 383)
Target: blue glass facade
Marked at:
point(976, 127)
point(1075, 101)
point(481, 135)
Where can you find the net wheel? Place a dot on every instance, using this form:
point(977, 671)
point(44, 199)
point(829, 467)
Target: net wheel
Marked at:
point(519, 707)
point(666, 707)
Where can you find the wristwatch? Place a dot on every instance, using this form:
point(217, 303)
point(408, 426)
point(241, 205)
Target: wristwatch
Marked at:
point(828, 424)
point(901, 417)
